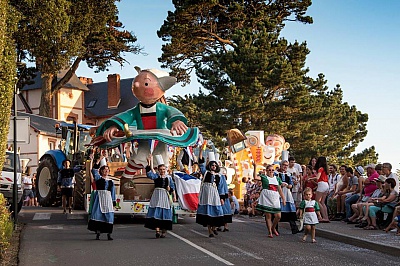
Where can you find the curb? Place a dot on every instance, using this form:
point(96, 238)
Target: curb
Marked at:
point(362, 243)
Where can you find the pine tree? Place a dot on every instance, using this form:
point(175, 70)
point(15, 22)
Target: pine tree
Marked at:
point(254, 78)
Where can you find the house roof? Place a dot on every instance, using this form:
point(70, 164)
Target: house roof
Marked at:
point(73, 83)
point(41, 124)
point(96, 99)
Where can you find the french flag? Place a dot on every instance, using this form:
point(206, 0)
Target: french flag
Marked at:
point(187, 189)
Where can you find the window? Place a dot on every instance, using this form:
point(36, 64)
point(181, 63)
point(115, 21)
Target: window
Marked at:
point(91, 104)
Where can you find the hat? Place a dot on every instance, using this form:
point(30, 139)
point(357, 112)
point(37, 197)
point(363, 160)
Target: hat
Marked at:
point(165, 81)
point(211, 157)
point(360, 170)
point(371, 165)
point(381, 178)
point(159, 159)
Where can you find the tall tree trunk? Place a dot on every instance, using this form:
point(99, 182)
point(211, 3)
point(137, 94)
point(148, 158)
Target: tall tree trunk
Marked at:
point(45, 108)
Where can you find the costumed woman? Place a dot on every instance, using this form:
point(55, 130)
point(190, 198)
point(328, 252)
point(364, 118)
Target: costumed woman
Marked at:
point(159, 214)
point(209, 211)
point(269, 202)
point(102, 203)
point(288, 211)
point(223, 194)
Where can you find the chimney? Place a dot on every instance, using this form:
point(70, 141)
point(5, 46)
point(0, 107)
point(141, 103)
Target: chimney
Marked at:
point(114, 91)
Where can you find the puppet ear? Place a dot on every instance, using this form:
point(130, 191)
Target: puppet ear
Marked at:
point(286, 146)
point(138, 69)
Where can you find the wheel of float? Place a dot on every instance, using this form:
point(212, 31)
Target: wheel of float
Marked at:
point(46, 182)
point(79, 191)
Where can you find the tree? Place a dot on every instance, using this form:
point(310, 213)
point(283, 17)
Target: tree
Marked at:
point(7, 71)
point(365, 157)
point(254, 78)
point(58, 35)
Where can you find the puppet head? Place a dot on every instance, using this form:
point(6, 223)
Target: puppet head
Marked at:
point(150, 84)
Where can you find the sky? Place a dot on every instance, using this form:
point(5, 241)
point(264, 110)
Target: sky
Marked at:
point(353, 43)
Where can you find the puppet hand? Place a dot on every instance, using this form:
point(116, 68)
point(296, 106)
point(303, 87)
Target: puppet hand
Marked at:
point(109, 133)
point(179, 127)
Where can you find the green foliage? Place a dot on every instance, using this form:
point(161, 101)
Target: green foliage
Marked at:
point(7, 71)
point(6, 226)
point(58, 35)
point(255, 79)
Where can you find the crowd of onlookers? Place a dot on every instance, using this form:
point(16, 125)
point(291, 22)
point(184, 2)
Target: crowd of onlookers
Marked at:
point(367, 197)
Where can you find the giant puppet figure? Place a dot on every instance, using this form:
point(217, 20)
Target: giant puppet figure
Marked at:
point(151, 125)
point(280, 145)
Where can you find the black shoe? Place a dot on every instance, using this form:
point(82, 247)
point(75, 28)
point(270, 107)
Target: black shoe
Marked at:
point(215, 232)
point(225, 230)
point(109, 237)
point(158, 235)
point(211, 235)
point(218, 229)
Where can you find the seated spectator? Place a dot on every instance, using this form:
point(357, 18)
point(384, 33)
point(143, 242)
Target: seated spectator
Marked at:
point(334, 202)
point(385, 204)
point(333, 179)
point(363, 207)
point(351, 188)
point(395, 224)
point(353, 198)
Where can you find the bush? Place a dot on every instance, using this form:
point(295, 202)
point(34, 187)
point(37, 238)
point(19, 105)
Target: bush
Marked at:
point(6, 226)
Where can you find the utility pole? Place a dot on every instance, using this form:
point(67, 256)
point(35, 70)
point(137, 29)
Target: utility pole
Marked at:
point(15, 187)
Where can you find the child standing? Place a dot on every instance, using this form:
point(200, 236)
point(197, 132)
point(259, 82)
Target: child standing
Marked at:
point(309, 211)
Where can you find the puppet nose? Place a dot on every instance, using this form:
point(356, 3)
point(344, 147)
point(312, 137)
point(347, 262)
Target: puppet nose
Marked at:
point(146, 84)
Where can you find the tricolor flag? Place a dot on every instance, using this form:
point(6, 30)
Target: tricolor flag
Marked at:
point(187, 189)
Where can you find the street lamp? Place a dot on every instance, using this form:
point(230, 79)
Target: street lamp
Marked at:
point(15, 188)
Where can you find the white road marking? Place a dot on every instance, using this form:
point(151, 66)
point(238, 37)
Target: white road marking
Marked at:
point(75, 216)
point(42, 216)
point(237, 220)
point(200, 234)
point(52, 227)
point(242, 251)
point(202, 249)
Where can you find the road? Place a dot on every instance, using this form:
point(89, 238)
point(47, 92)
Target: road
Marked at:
point(52, 238)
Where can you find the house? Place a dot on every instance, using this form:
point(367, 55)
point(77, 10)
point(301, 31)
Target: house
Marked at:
point(79, 100)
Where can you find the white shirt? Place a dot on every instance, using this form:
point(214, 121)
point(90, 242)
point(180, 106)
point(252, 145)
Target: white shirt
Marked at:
point(333, 180)
point(396, 178)
point(27, 182)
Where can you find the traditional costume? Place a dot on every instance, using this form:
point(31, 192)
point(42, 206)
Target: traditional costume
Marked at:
point(223, 194)
point(269, 197)
point(209, 211)
point(309, 208)
point(159, 214)
point(289, 210)
point(102, 205)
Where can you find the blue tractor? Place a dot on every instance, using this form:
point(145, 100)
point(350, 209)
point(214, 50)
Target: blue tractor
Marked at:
point(72, 146)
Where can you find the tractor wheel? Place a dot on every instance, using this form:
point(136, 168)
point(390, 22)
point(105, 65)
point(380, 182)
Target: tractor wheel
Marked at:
point(46, 183)
point(79, 191)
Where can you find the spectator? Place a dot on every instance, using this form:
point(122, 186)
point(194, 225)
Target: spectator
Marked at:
point(309, 180)
point(385, 203)
point(333, 179)
point(369, 183)
point(363, 207)
point(395, 221)
point(234, 202)
point(335, 202)
point(34, 200)
point(353, 198)
point(322, 188)
point(28, 193)
point(351, 188)
point(387, 171)
point(296, 189)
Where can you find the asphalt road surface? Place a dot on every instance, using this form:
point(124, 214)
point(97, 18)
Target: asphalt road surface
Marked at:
point(52, 238)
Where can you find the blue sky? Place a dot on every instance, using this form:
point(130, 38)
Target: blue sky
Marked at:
point(353, 43)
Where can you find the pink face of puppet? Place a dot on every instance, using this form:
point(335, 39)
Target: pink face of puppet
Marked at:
point(146, 88)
